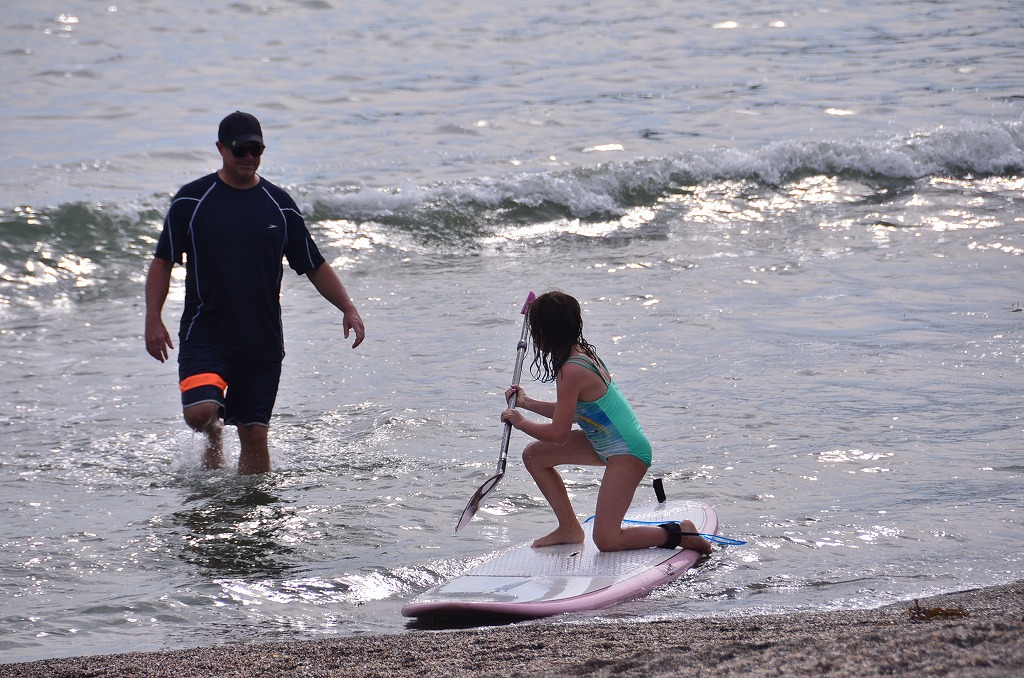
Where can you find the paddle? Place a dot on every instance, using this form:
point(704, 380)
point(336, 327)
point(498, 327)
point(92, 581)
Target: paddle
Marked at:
point(492, 482)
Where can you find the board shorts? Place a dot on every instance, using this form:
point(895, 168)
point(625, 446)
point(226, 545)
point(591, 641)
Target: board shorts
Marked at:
point(245, 390)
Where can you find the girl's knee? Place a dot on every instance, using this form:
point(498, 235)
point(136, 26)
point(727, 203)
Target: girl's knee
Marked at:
point(607, 542)
point(530, 454)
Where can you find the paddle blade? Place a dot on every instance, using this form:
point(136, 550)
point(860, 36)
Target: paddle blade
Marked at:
point(474, 502)
point(467, 515)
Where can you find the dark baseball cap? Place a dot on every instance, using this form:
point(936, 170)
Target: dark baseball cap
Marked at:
point(240, 128)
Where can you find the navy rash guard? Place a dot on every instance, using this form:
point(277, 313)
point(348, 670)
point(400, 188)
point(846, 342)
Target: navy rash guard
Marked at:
point(232, 242)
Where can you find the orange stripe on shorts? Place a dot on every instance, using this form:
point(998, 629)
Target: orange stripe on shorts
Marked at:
point(203, 379)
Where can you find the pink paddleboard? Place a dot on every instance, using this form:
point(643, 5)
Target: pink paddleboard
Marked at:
point(539, 582)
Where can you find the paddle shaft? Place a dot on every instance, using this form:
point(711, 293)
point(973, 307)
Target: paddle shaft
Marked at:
point(517, 373)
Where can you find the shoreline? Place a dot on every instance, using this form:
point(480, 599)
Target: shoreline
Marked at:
point(978, 632)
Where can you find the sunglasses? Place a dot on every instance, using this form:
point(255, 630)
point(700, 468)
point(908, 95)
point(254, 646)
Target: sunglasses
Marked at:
point(243, 151)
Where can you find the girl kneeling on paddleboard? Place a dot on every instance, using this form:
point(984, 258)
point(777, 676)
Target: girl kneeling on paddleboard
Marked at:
point(609, 434)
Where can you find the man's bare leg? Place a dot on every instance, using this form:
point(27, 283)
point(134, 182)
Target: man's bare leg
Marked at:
point(205, 418)
point(255, 455)
point(213, 455)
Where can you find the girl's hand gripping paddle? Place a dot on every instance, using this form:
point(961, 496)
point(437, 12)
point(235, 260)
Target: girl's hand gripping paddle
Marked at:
point(492, 482)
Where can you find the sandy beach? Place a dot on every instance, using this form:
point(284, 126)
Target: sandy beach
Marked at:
point(969, 633)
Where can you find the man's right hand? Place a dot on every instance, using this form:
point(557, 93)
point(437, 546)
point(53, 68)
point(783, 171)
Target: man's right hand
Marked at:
point(158, 282)
point(158, 339)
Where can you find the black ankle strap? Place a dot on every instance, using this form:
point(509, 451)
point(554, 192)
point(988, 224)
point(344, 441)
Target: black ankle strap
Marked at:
point(675, 535)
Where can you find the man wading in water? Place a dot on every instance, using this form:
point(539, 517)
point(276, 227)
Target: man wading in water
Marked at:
point(233, 229)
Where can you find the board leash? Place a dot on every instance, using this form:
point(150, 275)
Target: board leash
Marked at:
point(715, 538)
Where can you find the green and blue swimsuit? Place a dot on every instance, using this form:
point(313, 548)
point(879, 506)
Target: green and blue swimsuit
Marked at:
point(609, 422)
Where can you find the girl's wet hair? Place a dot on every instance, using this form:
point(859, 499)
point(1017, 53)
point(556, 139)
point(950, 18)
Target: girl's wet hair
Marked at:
point(556, 327)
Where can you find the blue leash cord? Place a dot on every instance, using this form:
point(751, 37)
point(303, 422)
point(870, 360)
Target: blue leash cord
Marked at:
point(714, 538)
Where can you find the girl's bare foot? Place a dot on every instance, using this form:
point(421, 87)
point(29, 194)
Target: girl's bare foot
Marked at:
point(694, 541)
point(561, 536)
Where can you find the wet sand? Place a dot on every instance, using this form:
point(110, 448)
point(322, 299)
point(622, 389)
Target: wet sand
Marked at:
point(970, 633)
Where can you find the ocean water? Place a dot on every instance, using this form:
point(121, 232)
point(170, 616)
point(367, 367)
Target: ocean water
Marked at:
point(796, 231)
